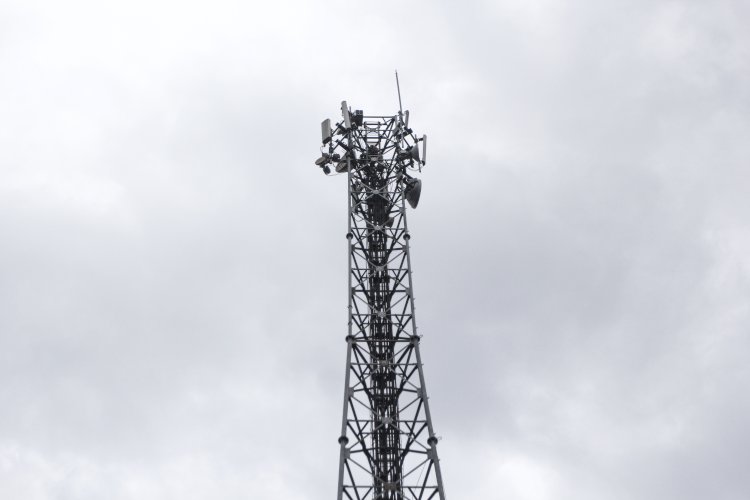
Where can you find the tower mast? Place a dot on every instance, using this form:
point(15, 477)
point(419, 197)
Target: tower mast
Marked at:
point(388, 445)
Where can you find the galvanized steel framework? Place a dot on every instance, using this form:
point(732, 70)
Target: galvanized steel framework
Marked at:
point(388, 445)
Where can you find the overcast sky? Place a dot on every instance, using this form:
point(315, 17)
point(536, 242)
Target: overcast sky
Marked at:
point(173, 264)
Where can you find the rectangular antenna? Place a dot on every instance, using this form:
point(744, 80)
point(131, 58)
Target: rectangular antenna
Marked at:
point(424, 149)
point(345, 113)
point(325, 130)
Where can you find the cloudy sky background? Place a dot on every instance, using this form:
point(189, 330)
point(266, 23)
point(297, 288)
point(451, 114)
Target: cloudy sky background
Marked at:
point(173, 264)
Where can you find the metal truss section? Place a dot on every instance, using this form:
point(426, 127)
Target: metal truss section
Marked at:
point(388, 445)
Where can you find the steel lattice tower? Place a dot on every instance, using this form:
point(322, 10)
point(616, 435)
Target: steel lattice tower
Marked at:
point(388, 445)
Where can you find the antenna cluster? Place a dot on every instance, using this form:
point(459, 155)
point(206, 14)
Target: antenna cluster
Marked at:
point(380, 142)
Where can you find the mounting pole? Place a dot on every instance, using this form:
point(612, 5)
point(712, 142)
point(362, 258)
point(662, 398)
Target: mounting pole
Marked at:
point(398, 89)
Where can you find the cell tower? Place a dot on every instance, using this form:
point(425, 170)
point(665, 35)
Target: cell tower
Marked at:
point(388, 445)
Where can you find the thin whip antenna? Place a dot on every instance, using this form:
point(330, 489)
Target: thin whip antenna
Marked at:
point(398, 89)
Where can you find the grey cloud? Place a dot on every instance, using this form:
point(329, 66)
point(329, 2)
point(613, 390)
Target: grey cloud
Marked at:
point(174, 264)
